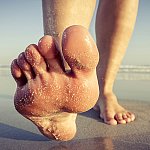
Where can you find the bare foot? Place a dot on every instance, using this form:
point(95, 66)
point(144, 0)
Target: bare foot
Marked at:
point(49, 96)
point(112, 112)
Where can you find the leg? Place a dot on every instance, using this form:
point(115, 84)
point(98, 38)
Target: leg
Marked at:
point(58, 15)
point(114, 25)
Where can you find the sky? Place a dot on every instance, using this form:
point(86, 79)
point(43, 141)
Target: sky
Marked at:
point(21, 23)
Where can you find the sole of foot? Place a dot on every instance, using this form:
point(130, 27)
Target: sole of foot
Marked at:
point(48, 95)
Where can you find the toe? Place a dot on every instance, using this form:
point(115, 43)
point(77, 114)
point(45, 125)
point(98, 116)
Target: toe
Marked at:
point(127, 120)
point(17, 73)
point(50, 53)
point(119, 118)
point(25, 67)
point(108, 118)
point(110, 121)
point(79, 49)
point(131, 116)
point(34, 58)
point(125, 117)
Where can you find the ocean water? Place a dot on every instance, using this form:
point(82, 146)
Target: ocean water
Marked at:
point(131, 72)
point(132, 83)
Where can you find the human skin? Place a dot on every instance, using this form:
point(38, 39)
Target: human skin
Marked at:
point(48, 95)
point(114, 26)
point(71, 59)
point(58, 15)
point(115, 22)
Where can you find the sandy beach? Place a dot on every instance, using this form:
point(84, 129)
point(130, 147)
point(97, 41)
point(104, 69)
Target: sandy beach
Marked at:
point(115, 29)
point(17, 133)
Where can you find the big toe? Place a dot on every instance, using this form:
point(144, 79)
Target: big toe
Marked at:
point(110, 121)
point(79, 49)
point(108, 118)
point(51, 54)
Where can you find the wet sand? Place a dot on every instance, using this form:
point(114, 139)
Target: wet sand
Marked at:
point(17, 133)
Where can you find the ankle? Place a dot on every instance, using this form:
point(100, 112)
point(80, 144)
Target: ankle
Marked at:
point(107, 96)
